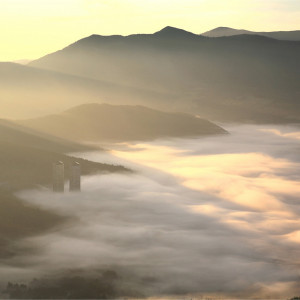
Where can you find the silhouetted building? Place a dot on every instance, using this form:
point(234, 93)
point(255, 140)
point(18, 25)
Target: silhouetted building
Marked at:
point(75, 181)
point(58, 177)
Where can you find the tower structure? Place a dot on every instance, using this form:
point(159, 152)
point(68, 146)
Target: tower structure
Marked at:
point(75, 180)
point(58, 177)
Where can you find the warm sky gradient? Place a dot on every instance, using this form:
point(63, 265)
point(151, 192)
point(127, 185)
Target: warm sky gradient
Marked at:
point(33, 28)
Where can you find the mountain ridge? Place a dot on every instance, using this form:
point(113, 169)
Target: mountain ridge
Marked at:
point(244, 78)
point(28, 91)
point(13, 133)
point(292, 35)
point(170, 31)
point(96, 122)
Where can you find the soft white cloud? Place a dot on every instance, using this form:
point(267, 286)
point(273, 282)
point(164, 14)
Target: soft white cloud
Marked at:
point(190, 238)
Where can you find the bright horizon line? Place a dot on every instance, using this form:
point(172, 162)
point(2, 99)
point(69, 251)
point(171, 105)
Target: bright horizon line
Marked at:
point(19, 60)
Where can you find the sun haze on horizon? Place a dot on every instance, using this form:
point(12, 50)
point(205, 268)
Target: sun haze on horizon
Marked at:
point(34, 28)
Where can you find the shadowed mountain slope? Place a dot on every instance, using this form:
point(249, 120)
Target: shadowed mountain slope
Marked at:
point(103, 122)
point(279, 35)
point(240, 78)
point(11, 132)
point(28, 167)
point(27, 92)
point(26, 157)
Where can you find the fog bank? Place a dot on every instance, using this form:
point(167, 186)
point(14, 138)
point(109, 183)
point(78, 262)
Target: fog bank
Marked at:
point(210, 216)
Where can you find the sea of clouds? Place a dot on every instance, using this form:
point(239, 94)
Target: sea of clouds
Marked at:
point(208, 216)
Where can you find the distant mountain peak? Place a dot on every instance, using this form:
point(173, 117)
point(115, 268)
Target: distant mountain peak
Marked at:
point(173, 32)
point(222, 27)
point(171, 28)
point(279, 35)
point(225, 31)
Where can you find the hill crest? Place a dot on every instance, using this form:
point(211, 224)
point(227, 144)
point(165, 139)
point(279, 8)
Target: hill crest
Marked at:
point(104, 122)
point(218, 32)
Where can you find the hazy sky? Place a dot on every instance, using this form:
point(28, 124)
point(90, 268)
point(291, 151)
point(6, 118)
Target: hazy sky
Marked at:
point(33, 28)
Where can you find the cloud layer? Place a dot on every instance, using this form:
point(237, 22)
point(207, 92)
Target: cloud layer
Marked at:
point(210, 216)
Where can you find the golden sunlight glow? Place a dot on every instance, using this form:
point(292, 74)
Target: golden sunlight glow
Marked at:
point(33, 28)
point(246, 179)
point(290, 135)
point(294, 236)
point(243, 178)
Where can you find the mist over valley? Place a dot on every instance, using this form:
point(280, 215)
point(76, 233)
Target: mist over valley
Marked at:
point(159, 166)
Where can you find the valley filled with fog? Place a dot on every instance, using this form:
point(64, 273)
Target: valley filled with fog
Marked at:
point(210, 216)
point(150, 165)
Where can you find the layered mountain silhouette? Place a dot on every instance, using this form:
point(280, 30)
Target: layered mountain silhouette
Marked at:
point(12, 133)
point(104, 122)
point(246, 78)
point(26, 156)
point(280, 35)
point(27, 92)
